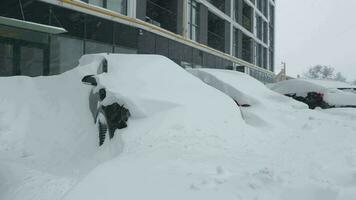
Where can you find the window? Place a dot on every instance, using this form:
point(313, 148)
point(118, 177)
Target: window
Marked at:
point(237, 11)
point(125, 36)
point(247, 17)
point(271, 61)
point(259, 55)
point(247, 48)
point(162, 13)
point(259, 27)
point(193, 20)
point(264, 63)
point(31, 61)
point(6, 60)
point(119, 6)
point(216, 32)
point(72, 21)
point(265, 8)
point(237, 44)
point(265, 32)
point(146, 43)
point(162, 47)
point(98, 29)
point(62, 60)
point(220, 4)
point(197, 57)
point(97, 2)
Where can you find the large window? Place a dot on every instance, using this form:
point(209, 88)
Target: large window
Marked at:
point(31, 61)
point(61, 59)
point(237, 12)
point(271, 61)
point(97, 2)
point(216, 32)
point(6, 59)
point(119, 6)
point(247, 48)
point(220, 4)
point(99, 29)
point(247, 17)
point(237, 44)
point(125, 36)
point(162, 13)
point(265, 32)
point(193, 20)
point(259, 31)
point(72, 21)
point(23, 52)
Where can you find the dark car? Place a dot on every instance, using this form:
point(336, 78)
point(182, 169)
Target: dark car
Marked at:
point(107, 118)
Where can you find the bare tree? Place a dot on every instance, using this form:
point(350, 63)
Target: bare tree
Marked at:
point(320, 72)
point(324, 72)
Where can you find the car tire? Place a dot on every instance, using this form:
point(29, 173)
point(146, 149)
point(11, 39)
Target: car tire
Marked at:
point(103, 128)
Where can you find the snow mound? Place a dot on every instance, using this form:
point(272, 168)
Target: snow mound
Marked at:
point(47, 130)
point(185, 140)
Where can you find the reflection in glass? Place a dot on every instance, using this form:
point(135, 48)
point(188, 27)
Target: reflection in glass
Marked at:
point(63, 60)
point(31, 61)
point(6, 60)
point(97, 2)
point(119, 6)
point(96, 47)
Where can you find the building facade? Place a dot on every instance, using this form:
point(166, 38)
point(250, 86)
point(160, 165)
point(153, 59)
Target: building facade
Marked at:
point(225, 34)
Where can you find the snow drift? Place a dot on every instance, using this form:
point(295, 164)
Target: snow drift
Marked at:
point(185, 140)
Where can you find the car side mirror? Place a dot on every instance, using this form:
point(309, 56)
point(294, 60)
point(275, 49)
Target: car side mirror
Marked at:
point(89, 80)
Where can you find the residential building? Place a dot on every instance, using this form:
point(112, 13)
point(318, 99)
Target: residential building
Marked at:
point(225, 34)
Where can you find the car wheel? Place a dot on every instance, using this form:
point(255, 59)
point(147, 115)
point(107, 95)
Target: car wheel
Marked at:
point(103, 128)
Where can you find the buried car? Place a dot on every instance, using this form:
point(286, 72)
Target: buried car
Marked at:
point(245, 90)
point(107, 116)
point(317, 93)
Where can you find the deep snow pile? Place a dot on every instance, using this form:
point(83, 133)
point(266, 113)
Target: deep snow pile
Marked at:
point(185, 140)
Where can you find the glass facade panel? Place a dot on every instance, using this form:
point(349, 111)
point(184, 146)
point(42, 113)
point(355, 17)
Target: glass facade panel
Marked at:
point(6, 60)
point(97, 47)
point(216, 32)
point(193, 20)
point(62, 60)
point(119, 6)
point(125, 36)
point(162, 13)
point(99, 29)
point(118, 49)
point(97, 2)
point(31, 61)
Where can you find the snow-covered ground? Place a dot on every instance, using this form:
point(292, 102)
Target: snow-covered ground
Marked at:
point(185, 140)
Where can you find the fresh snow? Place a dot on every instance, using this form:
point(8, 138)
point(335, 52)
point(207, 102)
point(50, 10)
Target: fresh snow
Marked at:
point(185, 139)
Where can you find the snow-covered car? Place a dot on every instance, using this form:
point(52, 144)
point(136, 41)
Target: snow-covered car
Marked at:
point(242, 88)
point(107, 116)
point(318, 93)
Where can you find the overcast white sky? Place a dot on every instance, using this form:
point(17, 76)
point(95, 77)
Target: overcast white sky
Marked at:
point(311, 32)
